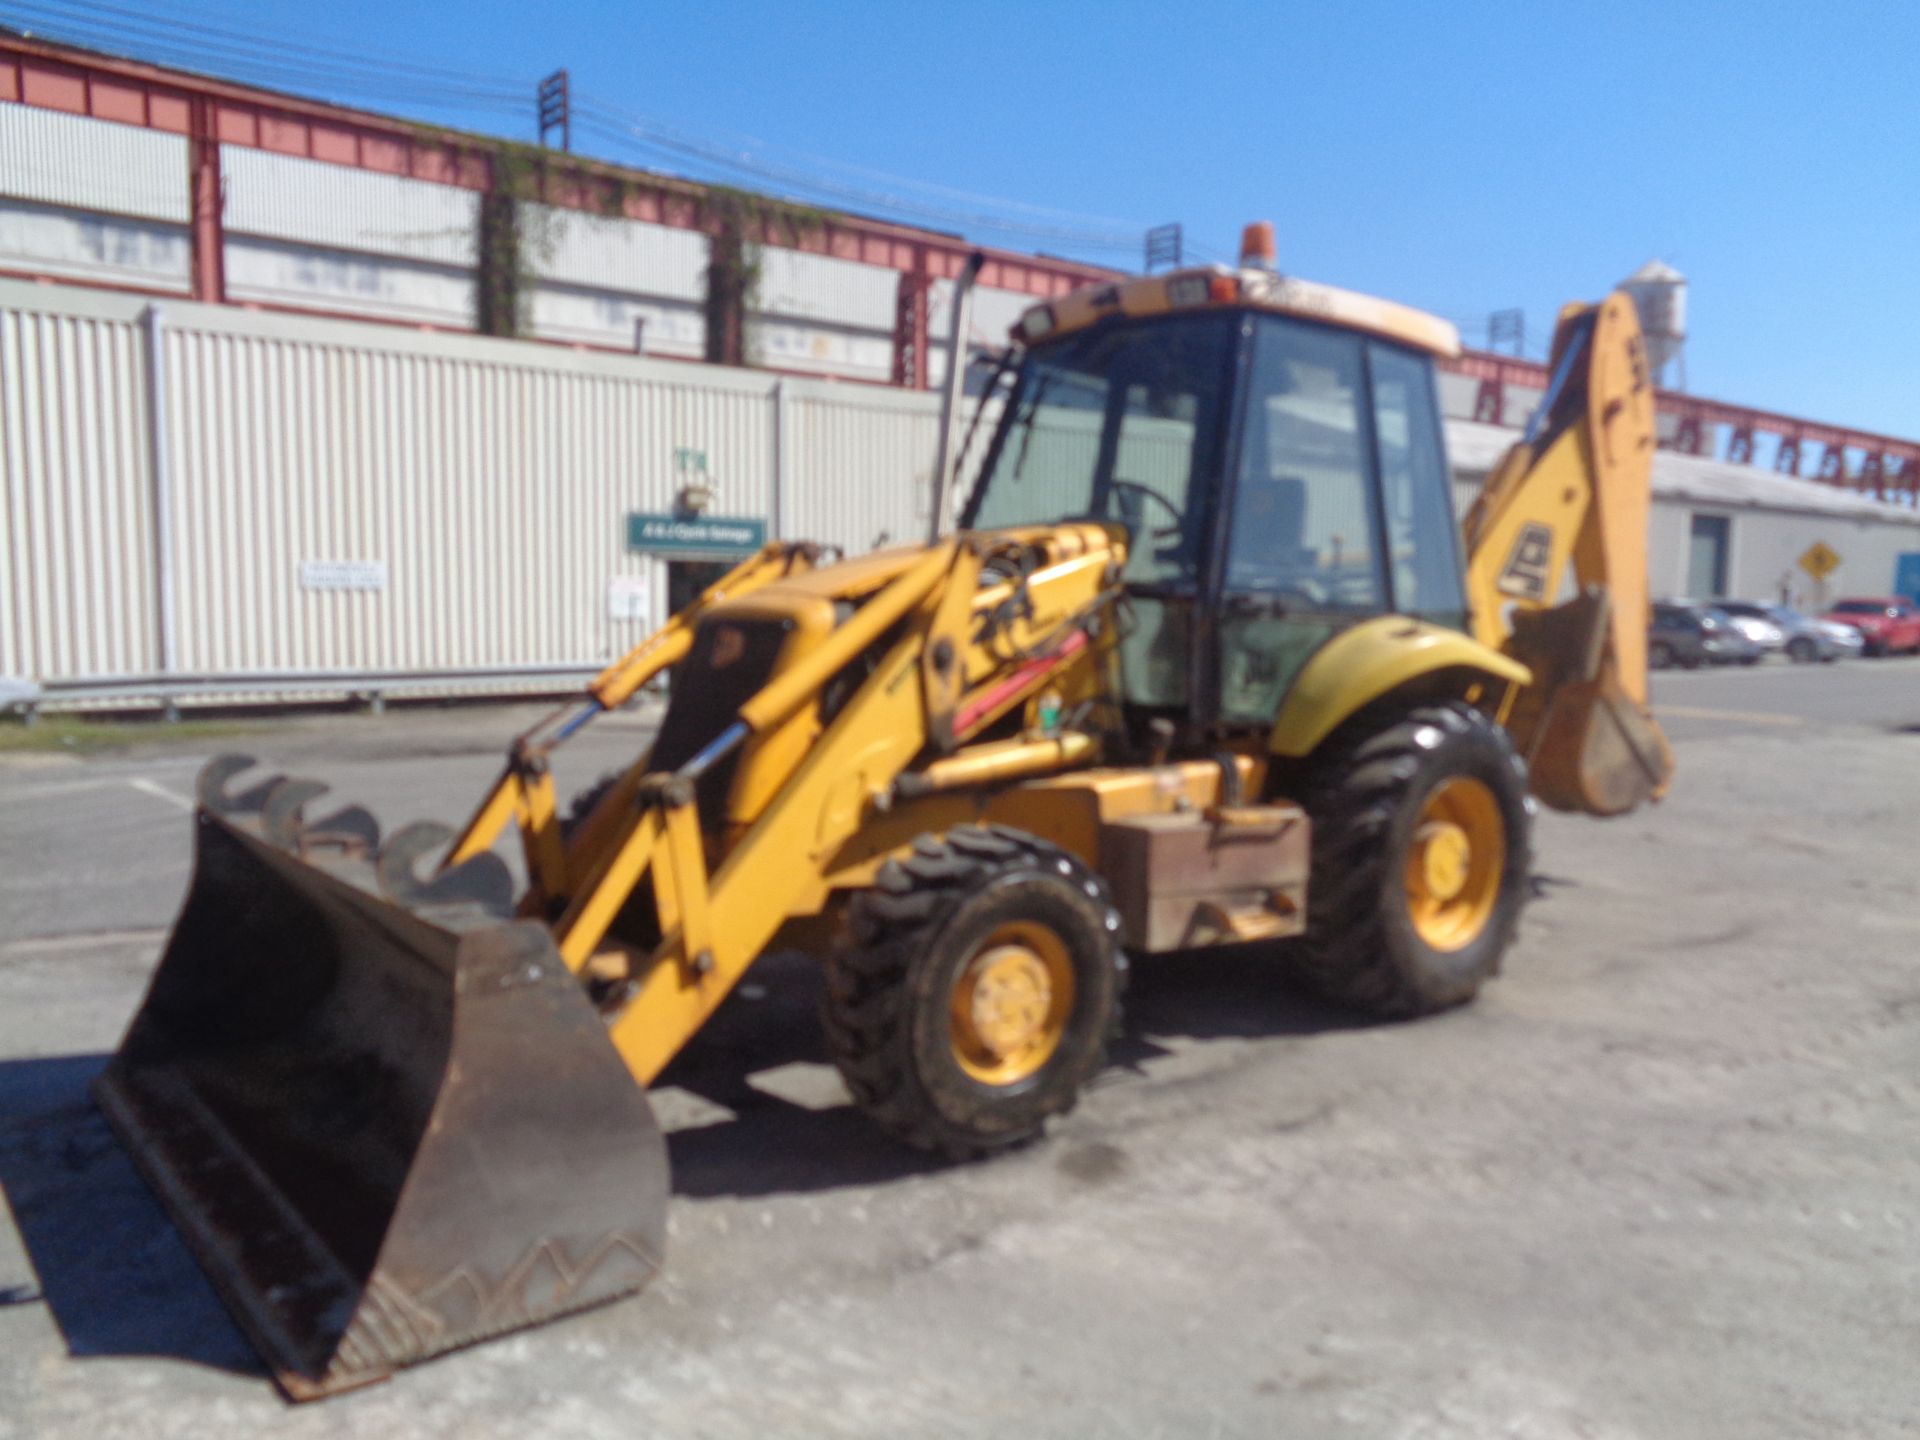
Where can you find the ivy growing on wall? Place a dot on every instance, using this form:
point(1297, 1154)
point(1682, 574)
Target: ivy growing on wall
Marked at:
point(516, 232)
point(739, 225)
point(519, 228)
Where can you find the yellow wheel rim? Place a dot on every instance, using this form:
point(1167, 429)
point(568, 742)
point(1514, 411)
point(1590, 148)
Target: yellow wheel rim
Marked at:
point(1455, 864)
point(1011, 1003)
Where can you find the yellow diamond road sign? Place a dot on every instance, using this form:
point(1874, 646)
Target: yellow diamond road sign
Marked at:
point(1820, 560)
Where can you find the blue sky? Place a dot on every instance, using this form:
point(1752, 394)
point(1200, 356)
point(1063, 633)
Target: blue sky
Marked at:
point(1464, 157)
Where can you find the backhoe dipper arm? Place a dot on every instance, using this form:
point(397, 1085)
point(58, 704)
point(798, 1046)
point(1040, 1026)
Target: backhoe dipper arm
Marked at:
point(1577, 487)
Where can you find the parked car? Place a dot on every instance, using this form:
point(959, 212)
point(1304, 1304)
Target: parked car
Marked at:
point(1754, 622)
point(1689, 634)
point(1782, 628)
point(1888, 625)
point(1847, 641)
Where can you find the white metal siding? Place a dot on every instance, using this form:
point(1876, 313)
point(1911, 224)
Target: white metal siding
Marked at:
point(492, 481)
point(821, 349)
point(101, 249)
point(339, 207)
point(86, 164)
point(1457, 394)
point(993, 316)
point(279, 272)
point(577, 314)
point(602, 252)
point(860, 465)
point(803, 286)
point(76, 527)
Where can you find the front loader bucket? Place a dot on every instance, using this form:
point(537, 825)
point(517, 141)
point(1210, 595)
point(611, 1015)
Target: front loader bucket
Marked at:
point(383, 1135)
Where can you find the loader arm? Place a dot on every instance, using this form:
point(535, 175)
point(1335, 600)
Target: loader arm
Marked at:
point(1576, 489)
point(962, 657)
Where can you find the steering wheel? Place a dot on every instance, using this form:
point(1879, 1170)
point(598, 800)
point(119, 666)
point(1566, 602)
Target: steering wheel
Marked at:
point(1135, 487)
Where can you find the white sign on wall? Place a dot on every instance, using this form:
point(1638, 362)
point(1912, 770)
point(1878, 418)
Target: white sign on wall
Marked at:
point(630, 597)
point(343, 574)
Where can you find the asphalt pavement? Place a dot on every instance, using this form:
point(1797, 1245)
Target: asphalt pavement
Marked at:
point(1658, 1182)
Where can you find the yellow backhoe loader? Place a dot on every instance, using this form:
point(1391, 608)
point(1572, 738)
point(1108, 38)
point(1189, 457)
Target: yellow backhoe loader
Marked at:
point(1204, 663)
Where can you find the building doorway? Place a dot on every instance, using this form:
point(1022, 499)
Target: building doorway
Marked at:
point(1707, 557)
point(687, 579)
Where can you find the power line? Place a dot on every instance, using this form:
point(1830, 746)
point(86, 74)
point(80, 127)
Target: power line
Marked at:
point(291, 47)
point(626, 127)
point(156, 41)
point(803, 185)
point(297, 65)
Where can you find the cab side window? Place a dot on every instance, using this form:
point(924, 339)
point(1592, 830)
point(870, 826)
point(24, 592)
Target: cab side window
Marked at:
point(1416, 492)
point(1302, 523)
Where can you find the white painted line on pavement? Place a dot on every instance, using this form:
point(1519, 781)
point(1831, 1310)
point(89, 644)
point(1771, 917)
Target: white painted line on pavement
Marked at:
point(160, 792)
point(1752, 717)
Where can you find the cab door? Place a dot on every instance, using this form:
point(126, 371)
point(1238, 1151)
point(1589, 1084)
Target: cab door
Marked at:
point(1340, 507)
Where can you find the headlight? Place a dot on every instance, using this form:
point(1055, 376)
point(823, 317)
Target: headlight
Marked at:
point(1037, 323)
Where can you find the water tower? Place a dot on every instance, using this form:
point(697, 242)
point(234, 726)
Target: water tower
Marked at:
point(1660, 295)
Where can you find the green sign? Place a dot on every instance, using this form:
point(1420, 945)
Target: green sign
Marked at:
point(695, 534)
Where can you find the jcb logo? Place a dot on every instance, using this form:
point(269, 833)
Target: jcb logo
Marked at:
point(1525, 575)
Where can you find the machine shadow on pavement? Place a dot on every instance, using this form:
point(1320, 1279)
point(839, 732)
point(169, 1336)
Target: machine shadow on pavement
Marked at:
point(772, 1145)
point(118, 1280)
point(107, 1262)
point(1236, 992)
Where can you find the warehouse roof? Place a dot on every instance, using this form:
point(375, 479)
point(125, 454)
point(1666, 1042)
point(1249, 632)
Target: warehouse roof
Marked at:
point(1475, 447)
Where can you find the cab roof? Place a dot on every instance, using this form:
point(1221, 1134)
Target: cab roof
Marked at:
point(1218, 287)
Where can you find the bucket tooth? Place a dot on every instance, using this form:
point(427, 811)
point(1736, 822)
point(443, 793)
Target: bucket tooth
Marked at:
point(482, 880)
point(210, 788)
point(352, 830)
point(281, 820)
point(383, 1136)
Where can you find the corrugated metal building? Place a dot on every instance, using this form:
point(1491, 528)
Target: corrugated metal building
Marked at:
point(195, 496)
point(265, 494)
point(202, 501)
point(121, 174)
point(1737, 531)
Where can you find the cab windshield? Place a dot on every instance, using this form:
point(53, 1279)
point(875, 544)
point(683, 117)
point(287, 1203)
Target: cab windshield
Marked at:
point(1119, 423)
point(1332, 505)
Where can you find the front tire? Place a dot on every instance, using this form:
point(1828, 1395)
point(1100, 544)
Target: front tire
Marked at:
point(1659, 656)
point(976, 989)
point(1421, 855)
point(1802, 651)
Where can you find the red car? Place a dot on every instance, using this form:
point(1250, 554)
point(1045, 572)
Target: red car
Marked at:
point(1888, 625)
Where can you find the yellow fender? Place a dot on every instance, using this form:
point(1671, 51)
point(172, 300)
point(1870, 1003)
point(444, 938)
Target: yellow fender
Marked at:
point(1358, 666)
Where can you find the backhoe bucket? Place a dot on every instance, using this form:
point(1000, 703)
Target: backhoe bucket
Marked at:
point(1591, 746)
point(1599, 752)
point(383, 1135)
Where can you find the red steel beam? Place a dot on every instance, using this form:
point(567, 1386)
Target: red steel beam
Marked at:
point(132, 92)
point(213, 112)
point(1885, 458)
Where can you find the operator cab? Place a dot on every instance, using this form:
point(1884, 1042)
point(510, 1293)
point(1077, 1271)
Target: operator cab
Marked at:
point(1273, 449)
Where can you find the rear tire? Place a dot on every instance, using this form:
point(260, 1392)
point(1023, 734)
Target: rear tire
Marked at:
point(1382, 933)
point(975, 991)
